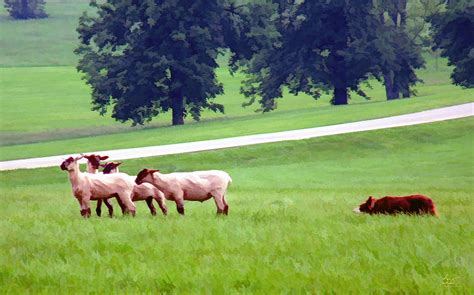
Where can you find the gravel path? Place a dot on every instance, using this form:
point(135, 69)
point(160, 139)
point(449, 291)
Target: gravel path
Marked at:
point(441, 114)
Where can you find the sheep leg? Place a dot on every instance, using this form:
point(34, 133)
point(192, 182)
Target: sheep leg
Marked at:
point(179, 205)
point(226, 206)
point(149, 202)
point(122, 206)
point(221, 208)
point(161, 203)
point(160, 199)
point(85, 208)
point(98, 209)
point(109, 206)
point(126, 200)
point(220, 205)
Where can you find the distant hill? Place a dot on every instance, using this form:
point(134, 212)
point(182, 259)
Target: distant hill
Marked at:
point(41, 42)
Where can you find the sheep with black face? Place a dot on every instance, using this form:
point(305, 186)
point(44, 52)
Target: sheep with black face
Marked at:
point(191, 186)
point(141, 192)
point(88, 186)
point(93, 164)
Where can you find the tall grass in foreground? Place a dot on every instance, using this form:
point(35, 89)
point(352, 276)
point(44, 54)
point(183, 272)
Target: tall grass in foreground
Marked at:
point(290, 227)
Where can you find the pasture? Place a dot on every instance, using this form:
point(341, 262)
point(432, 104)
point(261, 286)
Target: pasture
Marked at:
point(46, 111)
point(45, 106)
point(290, 227)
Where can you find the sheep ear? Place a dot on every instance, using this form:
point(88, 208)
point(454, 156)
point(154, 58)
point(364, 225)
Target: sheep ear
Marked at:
point(78, 158)
point(118, 164)
point(151, 171)
point(103, 157)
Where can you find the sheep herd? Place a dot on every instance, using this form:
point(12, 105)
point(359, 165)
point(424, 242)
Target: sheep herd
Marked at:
point(147, 186)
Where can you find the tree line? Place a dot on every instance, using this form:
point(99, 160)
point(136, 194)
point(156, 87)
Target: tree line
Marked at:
point(149, 57)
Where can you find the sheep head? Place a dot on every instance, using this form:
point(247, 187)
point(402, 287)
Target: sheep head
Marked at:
point(146, 175)
point(110, 167)
point(69, 163)
point(94, 160)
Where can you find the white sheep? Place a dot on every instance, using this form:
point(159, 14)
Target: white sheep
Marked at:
point(141, 192)
point(191, 186)
point(87, 186)
point(93, 164)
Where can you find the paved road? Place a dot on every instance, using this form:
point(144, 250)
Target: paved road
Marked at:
point(441, 114)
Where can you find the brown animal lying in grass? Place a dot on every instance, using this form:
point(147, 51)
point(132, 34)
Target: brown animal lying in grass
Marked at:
point(414, 204)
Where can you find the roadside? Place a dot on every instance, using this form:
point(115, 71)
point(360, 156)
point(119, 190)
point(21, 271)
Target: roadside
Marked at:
point(435, 115)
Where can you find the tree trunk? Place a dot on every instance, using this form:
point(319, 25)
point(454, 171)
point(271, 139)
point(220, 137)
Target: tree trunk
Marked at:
point(391, 90)
point(405, 90)
point(402, 9)
point(177, 101)
point(24, 9)
point(178, 110)
point(340, 96)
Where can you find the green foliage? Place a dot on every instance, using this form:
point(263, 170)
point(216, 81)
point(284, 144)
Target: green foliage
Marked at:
point(149, 57)
point(51, 113)
point(454, 35)
point(417, 23)
point(310, 47)
point(399, 54)
point(290, 228)
point(25, 9)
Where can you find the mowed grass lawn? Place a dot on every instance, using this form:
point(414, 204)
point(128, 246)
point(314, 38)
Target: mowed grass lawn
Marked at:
point(290, 228)
point(41, 42)
point(46, 111)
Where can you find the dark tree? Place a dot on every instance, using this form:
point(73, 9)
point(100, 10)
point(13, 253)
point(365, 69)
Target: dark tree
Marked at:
point(400, 55)
point(25, 9)
point(454, 35)
point(306, 46)
point(149, 57)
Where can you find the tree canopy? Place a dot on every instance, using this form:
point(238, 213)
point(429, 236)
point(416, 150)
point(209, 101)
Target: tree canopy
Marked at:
point(149, 57)
point(309, 47)
point(144, 58)
point(400, 54)
point(454, 35)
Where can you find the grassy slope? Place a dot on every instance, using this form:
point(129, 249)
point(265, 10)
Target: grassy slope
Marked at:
point(36, 101)
point(46, 110)
point(290, 226)
point(226, 128)
point(42, 42)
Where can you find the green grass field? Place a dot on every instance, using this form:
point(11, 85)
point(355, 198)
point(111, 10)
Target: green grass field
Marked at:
point(290, 227)
point(41, 42)
point(46, 110)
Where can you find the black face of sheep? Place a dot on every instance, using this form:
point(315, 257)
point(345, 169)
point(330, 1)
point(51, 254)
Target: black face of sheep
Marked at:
point(143, 174)
point(66, 163)
point(94, 160)
point(109, 167)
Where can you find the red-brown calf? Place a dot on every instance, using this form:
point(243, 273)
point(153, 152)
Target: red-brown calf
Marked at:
point(414, 204)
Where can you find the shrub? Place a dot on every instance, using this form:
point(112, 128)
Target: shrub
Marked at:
point(25, 9)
